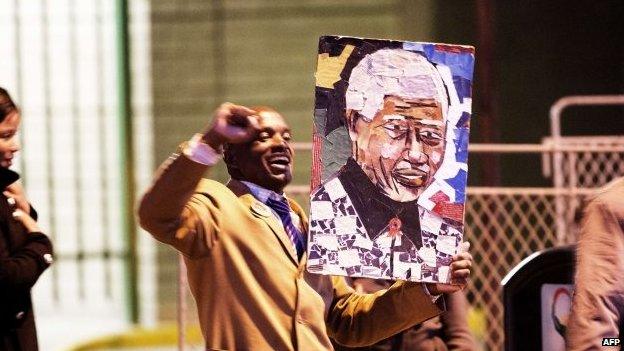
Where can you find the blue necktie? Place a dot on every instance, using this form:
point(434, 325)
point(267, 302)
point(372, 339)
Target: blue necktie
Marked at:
point(282, 209)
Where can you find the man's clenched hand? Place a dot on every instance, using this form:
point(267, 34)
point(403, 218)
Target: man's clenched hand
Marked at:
point(232, 124)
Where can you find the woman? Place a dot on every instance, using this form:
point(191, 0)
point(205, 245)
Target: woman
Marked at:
point(25, 252)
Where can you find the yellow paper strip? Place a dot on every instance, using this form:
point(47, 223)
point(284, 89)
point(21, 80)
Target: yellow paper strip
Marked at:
point(328, 68)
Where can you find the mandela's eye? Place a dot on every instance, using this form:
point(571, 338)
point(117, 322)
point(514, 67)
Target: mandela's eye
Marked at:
point(286, 136)
point(430, 137)
point(395, 129)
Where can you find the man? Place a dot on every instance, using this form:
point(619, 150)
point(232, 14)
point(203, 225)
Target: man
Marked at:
point(598, 301)
point(396, 114)
point(242, 244)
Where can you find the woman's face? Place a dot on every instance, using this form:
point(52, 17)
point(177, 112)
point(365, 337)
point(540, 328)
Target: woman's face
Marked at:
point(9, 143)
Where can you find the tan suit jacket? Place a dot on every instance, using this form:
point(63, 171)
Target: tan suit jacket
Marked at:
point(447, 332)
point(251, 292)
point(598, 300)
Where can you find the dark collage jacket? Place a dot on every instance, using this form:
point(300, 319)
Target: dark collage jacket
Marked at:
point(23, 257)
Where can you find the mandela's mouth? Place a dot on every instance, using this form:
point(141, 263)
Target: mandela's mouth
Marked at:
point(410, 177)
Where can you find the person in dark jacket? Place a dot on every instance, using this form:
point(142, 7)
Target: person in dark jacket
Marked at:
point(25, 252)
point(446, 332)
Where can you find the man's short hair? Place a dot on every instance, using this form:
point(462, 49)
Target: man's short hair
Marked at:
point(395, 72)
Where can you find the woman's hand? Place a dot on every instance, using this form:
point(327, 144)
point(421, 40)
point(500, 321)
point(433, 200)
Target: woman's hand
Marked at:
point(27, 221)
point(16, 196)
point(16, 192)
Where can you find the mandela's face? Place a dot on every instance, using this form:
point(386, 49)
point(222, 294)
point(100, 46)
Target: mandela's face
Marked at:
point(402, 147)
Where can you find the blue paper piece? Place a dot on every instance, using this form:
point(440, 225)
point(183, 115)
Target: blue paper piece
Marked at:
point(429, 50)
point(461, 64)
point(314, 252)
point(413, 46)
point(463, 87)
point(463, 120)
point(461, 144)
point(459, 184)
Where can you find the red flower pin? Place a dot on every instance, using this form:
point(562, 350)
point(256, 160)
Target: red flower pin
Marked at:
point(394, 226)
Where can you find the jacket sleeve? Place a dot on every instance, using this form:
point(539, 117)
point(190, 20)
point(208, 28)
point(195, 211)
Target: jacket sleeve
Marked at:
point(599, 286)
point(173, 214)
point(457, 335)
point(364, 319)
point(33, 213)
point(20, 270)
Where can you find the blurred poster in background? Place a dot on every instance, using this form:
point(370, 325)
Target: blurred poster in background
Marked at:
point(556, 304)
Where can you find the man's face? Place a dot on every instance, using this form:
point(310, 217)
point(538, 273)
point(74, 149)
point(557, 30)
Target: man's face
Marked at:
point(266, 160)
point(402, 147)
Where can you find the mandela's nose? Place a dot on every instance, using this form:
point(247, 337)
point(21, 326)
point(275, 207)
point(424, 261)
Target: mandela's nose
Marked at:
point(413, 148)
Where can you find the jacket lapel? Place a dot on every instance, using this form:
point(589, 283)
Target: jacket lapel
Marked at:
point(263, 212)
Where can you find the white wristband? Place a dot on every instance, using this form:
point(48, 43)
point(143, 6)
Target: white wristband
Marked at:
point(200, 152)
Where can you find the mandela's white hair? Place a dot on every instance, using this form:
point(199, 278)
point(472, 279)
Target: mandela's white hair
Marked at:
point(396, 72)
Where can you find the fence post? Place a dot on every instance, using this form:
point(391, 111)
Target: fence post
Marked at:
point(126, 159)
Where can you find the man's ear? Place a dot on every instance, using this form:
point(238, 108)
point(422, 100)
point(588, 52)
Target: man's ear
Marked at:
point(231, 159)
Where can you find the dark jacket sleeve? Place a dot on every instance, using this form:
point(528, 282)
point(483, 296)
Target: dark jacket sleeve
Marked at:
point(455, 323)
point(20, 270)
point(448, 332)
point(362, 320)
point(33, 213)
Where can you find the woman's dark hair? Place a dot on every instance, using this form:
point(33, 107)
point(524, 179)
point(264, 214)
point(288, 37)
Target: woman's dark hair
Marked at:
point(7, 106)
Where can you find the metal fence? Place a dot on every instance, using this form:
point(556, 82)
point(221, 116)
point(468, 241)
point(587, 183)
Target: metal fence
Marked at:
point(504, 226)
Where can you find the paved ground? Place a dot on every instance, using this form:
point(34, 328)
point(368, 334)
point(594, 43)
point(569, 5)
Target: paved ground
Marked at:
point(59, 333)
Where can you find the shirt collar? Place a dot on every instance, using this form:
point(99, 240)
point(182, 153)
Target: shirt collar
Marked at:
point(262, 194)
